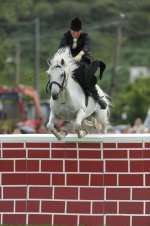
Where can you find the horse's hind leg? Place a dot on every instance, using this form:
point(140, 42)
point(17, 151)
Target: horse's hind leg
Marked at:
point(102, 118)
point(79, 118)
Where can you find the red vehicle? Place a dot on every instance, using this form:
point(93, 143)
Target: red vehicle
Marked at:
point(15, 109)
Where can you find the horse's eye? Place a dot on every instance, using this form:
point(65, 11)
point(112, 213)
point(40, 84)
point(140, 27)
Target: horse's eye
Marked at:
point(62, 75)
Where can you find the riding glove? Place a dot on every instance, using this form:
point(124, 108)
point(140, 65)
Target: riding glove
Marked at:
point(77, 58)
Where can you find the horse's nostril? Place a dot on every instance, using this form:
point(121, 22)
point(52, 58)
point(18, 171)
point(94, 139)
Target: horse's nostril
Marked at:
point(55, 96)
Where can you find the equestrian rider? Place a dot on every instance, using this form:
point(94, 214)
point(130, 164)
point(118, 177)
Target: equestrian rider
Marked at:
point(79, 44)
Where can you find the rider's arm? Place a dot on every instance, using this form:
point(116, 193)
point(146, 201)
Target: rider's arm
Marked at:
point(87, 44)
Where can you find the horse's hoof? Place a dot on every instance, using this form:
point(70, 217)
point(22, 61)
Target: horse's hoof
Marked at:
point(82, 133)
point(62, 134)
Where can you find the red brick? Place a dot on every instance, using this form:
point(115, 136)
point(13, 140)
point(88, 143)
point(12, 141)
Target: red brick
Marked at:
point(130, 145)
point(103, 180)
point(147, 145)
point(140, 220)
point(147, 178)
point(89, 145)
point(114, 154)
point(14, 219)
point(146, 153)
point(38, 219)
point(140, 166)
point(58, 179)
point(116, 166)
point(104, 207)
point(110, 179)
point(14, 192)
point(38, 179)
point(118, 193)
point(71, 166)
point(130, 208)
point(118, 220)
point(90, 154)
point(37, 145)
point(66, 220)
point(78, 179)
point(91, 193)
point(27, 206)
point(78, 207)
point(63, 145)
point(6, 165)
point(147, 208)
point(52, 165)
point(135, 154)
point(53, 206)
point(40, 192)
point(0, 192)
point(10, 153)
point(64, 154)
point(14, 179)
point(91, 166)
point(131, 180)
point(13, 145)
point(136, 166)
point(66, 193)
point(146, 166)
point(91, 220)
point(6, 206)
point(27, 165)
point(109, 145)
point(141, 194)
point(32, 153)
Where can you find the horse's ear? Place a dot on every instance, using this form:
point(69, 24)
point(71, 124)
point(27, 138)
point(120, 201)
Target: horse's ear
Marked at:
point(62, 62)
point(49, 62)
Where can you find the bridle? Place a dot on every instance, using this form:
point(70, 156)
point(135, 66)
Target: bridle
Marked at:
point(61, 86)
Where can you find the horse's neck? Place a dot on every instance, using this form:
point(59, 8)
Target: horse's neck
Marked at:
point(69, 91)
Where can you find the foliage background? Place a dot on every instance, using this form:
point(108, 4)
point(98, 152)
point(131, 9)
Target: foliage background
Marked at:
point(101, 19)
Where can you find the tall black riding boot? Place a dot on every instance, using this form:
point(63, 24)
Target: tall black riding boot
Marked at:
point(98, 99)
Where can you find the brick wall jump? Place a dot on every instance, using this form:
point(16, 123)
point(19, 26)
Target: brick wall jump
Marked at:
point(94, 181)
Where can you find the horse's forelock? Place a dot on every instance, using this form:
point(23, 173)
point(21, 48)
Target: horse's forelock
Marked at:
point(64, 54)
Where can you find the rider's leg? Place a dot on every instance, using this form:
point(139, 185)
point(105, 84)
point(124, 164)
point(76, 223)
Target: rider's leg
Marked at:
point(94, 93)
point(98, 99)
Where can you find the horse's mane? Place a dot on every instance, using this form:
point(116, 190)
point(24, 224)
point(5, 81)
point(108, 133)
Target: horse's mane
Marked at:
point(69, 63)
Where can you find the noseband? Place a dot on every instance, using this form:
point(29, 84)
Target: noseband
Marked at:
point(61, 86)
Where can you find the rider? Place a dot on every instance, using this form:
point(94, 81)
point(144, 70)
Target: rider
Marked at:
point(79, 44)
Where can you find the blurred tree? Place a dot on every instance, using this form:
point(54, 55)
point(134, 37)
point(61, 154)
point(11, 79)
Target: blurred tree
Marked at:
point(66, 10)
point(43, 10)
point(12, 10)
point(104, 9)
point(133, 99)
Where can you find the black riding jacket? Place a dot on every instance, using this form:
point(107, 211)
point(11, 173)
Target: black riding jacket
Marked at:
point(83, 43)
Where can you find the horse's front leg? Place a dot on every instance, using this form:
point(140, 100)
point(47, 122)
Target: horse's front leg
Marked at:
point(51, 126)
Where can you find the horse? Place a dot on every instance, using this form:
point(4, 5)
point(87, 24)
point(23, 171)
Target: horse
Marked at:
point(68, 100)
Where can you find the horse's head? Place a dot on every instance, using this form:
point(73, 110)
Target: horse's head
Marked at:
point(57, 79)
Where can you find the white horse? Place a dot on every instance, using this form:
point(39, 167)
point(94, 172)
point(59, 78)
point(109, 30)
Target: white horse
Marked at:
point(68, 100)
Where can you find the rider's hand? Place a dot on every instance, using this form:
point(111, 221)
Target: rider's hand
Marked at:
point(77, 58)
